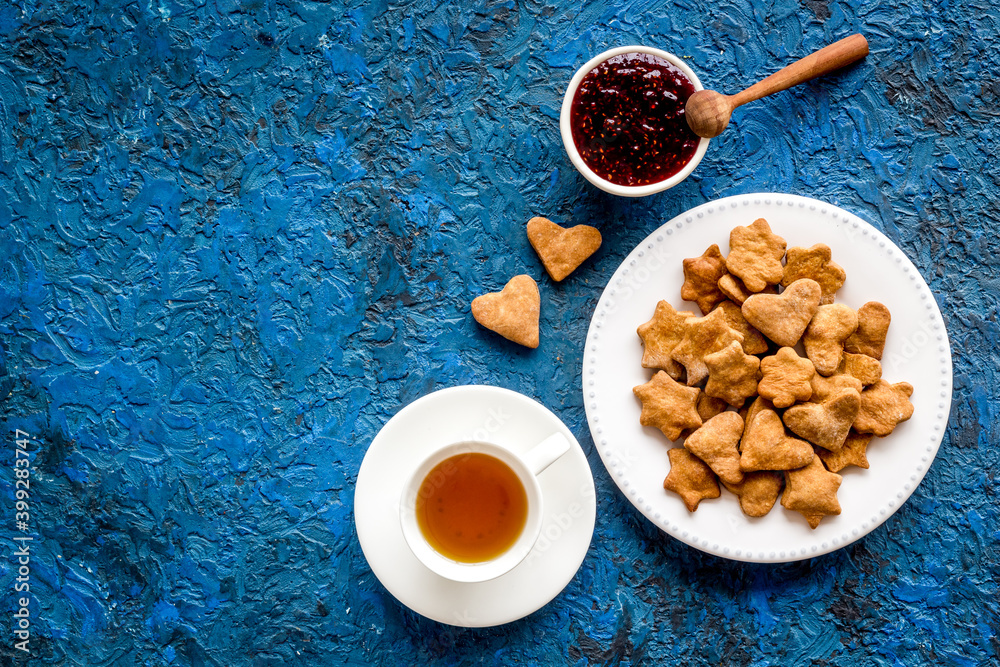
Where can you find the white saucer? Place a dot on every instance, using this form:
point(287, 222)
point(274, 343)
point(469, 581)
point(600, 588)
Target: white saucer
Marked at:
point(474, 413)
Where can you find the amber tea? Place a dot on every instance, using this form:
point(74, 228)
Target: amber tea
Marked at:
point(471, 507)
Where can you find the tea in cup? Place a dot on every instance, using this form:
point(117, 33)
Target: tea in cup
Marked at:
point(472, 510)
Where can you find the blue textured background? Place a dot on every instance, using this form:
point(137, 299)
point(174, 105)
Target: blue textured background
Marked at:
point(236, 236)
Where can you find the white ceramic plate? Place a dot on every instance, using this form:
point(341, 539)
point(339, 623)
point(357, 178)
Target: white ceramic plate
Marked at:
point(917, 351)
point(488, 414)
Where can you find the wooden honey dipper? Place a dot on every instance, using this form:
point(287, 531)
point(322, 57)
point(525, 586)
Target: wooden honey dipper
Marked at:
point(708, 112)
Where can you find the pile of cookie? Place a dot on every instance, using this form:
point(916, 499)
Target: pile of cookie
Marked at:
point(774, 392)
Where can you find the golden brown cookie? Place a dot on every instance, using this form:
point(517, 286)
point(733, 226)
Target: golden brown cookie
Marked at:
point(853, 453)
point(660, 336)
point(825, 424)
point(668, 405)
point(785, 378)
point(823, 387)
point(767, 446)
point(690, 478)
point(734, 289)
point(732, 374)
point(758, 491)
point(715, 444)
point(702, 337)
point(812, 491)
point(562, 250)
point(708, 406)
point(816, 264)
point(883, 406)
point(750, 412)
point(824, 337)
point(737, 292)
point(701, 279)
point(784, 317)
point(873, 326)
point(513, 312)
point(863, 368)
point(755, 255)
point(753, 340)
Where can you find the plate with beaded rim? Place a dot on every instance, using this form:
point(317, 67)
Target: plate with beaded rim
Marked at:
point(917, 351)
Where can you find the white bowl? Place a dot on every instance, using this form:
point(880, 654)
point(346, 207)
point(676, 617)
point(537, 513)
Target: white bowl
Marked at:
point(574, 154)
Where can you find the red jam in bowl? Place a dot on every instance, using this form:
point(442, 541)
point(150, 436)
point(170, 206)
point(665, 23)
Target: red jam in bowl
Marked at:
point(627, 119)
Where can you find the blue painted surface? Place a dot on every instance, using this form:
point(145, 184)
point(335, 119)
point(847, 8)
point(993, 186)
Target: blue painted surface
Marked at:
point(236, 237)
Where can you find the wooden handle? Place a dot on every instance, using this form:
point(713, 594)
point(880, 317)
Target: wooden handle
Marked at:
point(829, 58)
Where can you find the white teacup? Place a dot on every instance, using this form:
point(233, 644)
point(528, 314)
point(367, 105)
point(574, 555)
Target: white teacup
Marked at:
point(525, 466)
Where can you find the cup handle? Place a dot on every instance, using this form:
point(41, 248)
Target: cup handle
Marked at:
point(545, 453)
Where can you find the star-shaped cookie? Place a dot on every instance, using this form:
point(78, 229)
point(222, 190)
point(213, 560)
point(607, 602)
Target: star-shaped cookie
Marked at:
point(812, 491)
point(690, 478)
point(660, 336)
point(853, 453)
point(703, 336)
point(668, 405)
point(701, 279)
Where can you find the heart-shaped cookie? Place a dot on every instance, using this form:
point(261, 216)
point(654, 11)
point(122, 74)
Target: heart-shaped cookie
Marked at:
point(511, 312)
point(825, 424)
point(767, 447)
point(758, 491)
point(784, 317)
point(873, 326)
point(562, 250)
point(716, 442)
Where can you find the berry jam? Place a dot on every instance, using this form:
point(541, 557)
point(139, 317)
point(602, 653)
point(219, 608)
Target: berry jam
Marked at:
point(628, 119)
